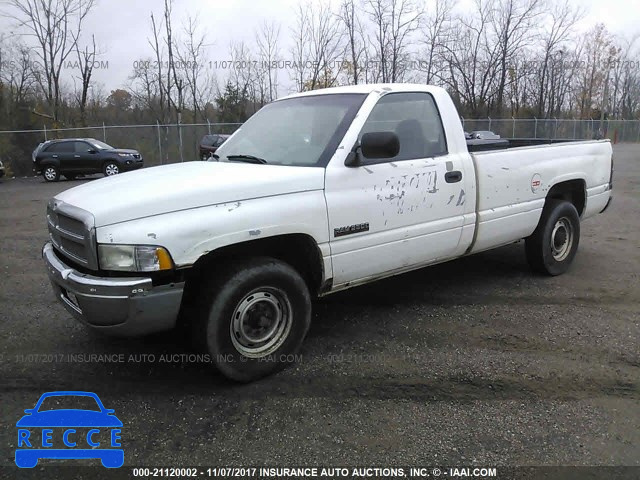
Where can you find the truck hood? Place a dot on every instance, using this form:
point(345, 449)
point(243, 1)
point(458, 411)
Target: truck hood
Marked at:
point(169, 188)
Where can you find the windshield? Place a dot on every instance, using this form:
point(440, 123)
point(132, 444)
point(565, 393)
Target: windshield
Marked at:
point(300, 131)
point(101, 145)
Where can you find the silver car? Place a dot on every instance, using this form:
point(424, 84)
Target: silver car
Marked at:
point(484, 135)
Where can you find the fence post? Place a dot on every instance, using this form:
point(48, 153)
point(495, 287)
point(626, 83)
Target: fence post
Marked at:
point(104, 133)
point(535, 127)
point(45, 132)
point(624, 128)
point(555, 133)
point(159, 142)
point(489, 122)
point(638, 122)
point(180, 135)
point(574, 127)
point(591, 127)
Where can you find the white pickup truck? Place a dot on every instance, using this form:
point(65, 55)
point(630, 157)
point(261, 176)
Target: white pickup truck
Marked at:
point(317, 192)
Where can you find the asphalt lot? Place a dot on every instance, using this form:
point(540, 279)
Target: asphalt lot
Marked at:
point(474, 362)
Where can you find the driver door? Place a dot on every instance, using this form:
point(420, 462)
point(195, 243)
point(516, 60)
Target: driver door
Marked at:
point(389, 215)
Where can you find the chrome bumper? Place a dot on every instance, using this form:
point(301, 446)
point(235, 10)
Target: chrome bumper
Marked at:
point(121, 306)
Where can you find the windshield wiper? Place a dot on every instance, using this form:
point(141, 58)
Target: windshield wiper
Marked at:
point(246, 158)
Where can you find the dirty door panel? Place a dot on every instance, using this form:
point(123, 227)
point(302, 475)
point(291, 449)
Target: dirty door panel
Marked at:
point(400, 212)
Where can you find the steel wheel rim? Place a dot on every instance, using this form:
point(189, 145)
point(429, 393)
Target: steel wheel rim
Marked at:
point(261, 322)
point(561, 239)
point(111, 169)
point(50, 173)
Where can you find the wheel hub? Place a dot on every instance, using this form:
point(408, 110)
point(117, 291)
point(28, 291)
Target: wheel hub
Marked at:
point(261, 322)
point(111, 170)
point(50, 173)
point(561, 239)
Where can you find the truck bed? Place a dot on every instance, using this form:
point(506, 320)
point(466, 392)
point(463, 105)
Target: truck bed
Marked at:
point(479, 145)
point(512, 183)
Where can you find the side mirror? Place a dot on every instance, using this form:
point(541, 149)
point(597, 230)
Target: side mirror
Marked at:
point(374, 145)
point(380, 145)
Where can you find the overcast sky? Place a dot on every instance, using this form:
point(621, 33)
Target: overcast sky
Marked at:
point(122, 27)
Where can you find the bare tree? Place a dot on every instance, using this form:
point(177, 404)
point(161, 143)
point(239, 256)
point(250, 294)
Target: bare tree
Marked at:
point(191, 60)
point(318, 46)
point(355, 43)
point(513, 27)
point(56, 26)
point(598, 53)
point(17, 79)
point(471, 57)
point(394, 23)
point(437, 32)
point(86, 60)
point(267, 40)
point(562, 21)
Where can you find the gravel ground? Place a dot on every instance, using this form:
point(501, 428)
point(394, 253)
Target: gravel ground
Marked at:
point(473, 362)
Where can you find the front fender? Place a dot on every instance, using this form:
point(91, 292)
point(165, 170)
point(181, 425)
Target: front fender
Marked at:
point(190, 234)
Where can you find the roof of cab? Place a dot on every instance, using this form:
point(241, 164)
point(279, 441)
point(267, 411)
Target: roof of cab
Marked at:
point(367, 89)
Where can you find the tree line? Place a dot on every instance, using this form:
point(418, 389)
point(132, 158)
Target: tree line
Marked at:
point(498, 58)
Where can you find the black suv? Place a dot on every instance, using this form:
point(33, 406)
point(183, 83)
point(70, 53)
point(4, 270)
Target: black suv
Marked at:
point(82, 156)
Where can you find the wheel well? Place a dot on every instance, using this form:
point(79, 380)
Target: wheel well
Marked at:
point(573, 191)
point(298, 250)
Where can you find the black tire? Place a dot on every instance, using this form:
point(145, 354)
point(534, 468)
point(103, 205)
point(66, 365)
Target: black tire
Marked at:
point(554, 243)
point(51, 173)
point(232, 302)
point(111, 168)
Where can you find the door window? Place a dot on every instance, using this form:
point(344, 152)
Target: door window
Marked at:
point(82, 147)
point(415, 119)
point(60, 147)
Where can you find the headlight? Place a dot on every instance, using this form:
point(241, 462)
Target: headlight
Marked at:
point(134, 258)
point(126, 154)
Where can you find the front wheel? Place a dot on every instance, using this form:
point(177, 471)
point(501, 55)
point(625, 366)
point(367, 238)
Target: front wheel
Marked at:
point(253, 318)
point(111, 169)
point(554, 243)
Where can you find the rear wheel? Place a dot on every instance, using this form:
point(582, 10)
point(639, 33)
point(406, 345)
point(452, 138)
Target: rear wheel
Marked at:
point(253, 318)
point(554, 243)
point(51, 173)
point(111, 168)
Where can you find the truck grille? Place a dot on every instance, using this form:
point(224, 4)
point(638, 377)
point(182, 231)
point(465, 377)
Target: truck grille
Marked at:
point(71, 233)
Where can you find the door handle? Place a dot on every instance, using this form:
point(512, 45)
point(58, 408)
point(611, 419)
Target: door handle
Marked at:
point(54, 156)
point(453, 177)
point(77, 156)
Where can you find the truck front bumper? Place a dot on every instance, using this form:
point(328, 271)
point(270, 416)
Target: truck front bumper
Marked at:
point(127, 306)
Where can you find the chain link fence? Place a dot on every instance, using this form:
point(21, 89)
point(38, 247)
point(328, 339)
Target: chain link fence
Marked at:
point(160, 144)
point(616, 130)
